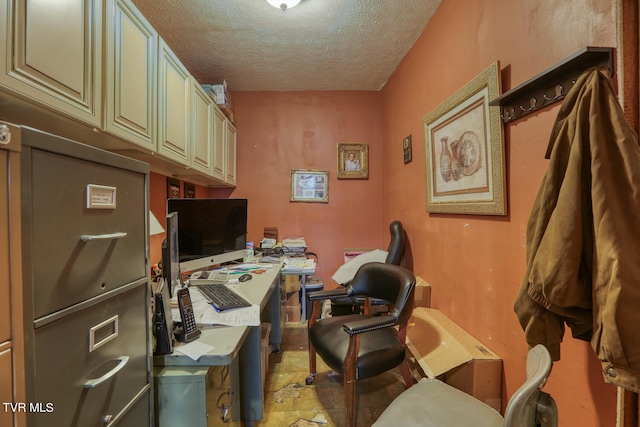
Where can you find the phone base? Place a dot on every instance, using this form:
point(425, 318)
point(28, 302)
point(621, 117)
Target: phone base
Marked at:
point(186, 337)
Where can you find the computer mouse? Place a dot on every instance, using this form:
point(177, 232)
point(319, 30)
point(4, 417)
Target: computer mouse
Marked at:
point(245, 277)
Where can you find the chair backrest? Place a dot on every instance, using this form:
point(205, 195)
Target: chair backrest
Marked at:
point(395, 252)
point(387, 282)
point(528, 400)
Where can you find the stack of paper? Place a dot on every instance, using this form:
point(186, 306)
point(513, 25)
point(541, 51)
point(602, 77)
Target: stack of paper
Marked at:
point(267, 243)
point(292, 246)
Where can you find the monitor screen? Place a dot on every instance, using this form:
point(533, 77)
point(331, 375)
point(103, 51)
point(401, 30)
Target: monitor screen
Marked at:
point(210, 231)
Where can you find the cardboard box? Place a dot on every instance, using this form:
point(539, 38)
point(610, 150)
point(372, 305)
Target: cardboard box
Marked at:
point(292, 306)
point(294, 314)
point(265, 330)
point(291, 284)
point(446, 351)
point(218, 93)
point(422, 296)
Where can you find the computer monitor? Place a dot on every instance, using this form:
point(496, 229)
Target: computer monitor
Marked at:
point(210, 231)
point(170, 255)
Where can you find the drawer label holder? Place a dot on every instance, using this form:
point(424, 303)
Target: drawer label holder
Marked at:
point(101, 197)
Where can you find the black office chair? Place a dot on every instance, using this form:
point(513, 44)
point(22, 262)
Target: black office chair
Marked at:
point(395, 253)
point(360, 346)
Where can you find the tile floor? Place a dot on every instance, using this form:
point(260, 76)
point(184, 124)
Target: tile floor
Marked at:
point(289, 402)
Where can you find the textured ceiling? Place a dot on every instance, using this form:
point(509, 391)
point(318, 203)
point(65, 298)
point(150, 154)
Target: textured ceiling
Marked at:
point(318, 45)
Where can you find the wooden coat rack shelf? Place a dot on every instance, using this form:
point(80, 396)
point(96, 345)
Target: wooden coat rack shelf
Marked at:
point(551, 85)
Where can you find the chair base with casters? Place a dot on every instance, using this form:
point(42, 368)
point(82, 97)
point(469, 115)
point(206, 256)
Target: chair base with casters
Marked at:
point(432, 403)
point(361, 346)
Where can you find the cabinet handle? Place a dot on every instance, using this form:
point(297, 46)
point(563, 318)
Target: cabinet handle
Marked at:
point(122, 361)
point(110, 236)
point(224, 409)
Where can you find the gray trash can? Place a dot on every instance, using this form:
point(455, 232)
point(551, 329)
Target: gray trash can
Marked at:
point(314, 283)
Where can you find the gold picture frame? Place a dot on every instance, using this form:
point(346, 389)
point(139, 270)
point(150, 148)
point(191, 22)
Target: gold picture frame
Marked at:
point(173, 188)
point(353, 160)
point(189, 190)
point(464, 149)
point(308, 185)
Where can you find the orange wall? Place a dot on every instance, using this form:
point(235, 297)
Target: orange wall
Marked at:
point(475, 264)
point(281, 131)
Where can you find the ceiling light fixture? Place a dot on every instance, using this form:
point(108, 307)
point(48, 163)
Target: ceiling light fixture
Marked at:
point(283, 4)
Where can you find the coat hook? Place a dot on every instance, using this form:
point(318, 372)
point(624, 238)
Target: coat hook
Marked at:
point(533, 101)
point(559, 93)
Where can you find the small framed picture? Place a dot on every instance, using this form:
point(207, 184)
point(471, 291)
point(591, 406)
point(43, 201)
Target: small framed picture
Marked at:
point(309, 186)
point(189, 190)
point(408, 151)
point(353, 160)
point(173, 188)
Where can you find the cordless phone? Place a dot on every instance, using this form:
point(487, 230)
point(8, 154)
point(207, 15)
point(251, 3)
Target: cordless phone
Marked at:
point(189, 331)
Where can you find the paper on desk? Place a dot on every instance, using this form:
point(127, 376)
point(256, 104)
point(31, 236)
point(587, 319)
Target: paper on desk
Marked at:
point(205, 314)
point(194, 349)
point(244, 316)
point(346, 271)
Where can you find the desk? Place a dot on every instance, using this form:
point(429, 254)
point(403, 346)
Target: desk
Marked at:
point(239, 347)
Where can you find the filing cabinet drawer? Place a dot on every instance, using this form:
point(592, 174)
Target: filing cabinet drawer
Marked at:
point(87, 250)
point(138, 415)
point(73, 355)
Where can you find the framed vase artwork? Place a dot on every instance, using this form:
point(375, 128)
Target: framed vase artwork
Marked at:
point(353, 160)
point(464, 150)
point(309, 186)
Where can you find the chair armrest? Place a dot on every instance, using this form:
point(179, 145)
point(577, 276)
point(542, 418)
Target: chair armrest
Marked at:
point(327, 294)
point(370, 324)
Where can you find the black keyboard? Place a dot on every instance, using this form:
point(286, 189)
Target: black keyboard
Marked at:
point(222, 297)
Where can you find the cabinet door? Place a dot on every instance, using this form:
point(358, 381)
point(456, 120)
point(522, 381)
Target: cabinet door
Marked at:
point(201, 129)
point(6, 370)
point(5, 280)
point(232, 139)
point(54, 54)
point(12, 371)
point(130, 74)
point(6, 383)
point(174, 86)
point(219, 144)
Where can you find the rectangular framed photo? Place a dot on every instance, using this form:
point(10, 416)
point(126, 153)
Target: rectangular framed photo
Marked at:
point(353, 160)
point(464, 150)
point(189, 190)
point(407, 149)
point(173, 188)
point(309, 186)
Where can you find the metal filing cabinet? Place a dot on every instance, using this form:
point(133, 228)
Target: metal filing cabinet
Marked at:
point(85, 284)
